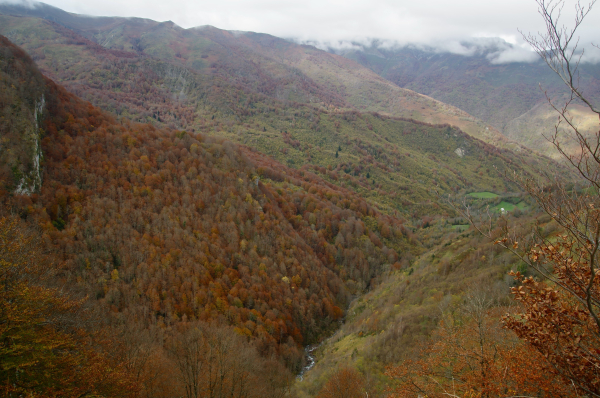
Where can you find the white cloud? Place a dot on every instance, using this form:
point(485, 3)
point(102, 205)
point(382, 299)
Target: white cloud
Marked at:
point(439, 23)
point(515, 54)
point(495, 49)
point(591, 55)
point(26, 3)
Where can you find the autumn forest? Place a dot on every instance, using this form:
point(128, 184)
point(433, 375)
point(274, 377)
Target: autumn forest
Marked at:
point(195, 213)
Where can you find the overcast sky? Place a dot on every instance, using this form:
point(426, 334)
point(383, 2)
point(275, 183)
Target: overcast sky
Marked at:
point(441, 23)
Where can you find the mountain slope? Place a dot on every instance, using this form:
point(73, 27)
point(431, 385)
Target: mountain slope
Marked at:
point(536, 126)
point(175, 226)
point(392, 322)
point(263, 64)
point(168, 224)
point(236, 96)
point(499, 94)
point(21, 103)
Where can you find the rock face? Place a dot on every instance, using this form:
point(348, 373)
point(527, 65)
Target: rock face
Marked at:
point(30, 179)
point(22, 104)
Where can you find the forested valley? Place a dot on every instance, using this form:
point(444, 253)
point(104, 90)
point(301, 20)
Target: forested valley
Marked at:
point(191, 213)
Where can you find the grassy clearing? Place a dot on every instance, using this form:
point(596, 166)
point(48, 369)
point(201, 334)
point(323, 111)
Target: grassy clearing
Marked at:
point(509, 206)
point(504, 205)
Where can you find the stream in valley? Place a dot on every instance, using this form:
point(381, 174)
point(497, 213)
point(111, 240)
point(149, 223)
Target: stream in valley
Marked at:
point(310, 349)
point(310, 359)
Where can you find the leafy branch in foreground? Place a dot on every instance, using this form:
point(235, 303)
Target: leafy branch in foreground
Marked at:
point(472, 355)
point(559, 48)
point(559, 316)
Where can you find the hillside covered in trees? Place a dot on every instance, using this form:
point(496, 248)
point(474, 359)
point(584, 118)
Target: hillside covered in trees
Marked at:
point(161, 228)
point(227, 202)
point(258, 91)
point(511, 96)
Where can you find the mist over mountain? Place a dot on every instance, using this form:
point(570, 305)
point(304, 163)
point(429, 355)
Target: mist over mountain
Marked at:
point(431, 23)
point(495, 49)
point(504, 94)
point(503, 48)
point(502, 84)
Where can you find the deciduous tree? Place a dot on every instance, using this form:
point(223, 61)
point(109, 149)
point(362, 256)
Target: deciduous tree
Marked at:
point(472, 355)
point(560, 306)
point(44, 350)
point(344, 383)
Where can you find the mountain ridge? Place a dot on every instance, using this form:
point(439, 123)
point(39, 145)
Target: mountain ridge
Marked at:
point(238, 100)
point(117, 196)
point(499, 94)
point(315, 64)
point(223, 180)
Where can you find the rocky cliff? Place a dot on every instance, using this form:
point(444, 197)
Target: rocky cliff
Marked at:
point(22, 103)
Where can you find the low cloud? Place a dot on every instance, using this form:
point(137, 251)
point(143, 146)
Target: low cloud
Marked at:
point(591, 55)
point(498, 50)
point(495, 49)
point(25, 3)
point(460, 27)
point(515, 54)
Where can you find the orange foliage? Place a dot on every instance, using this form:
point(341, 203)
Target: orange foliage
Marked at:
point(562, 324)
point(181, 224)
point(473, 356)
point(345, 383)
point(43, 348)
